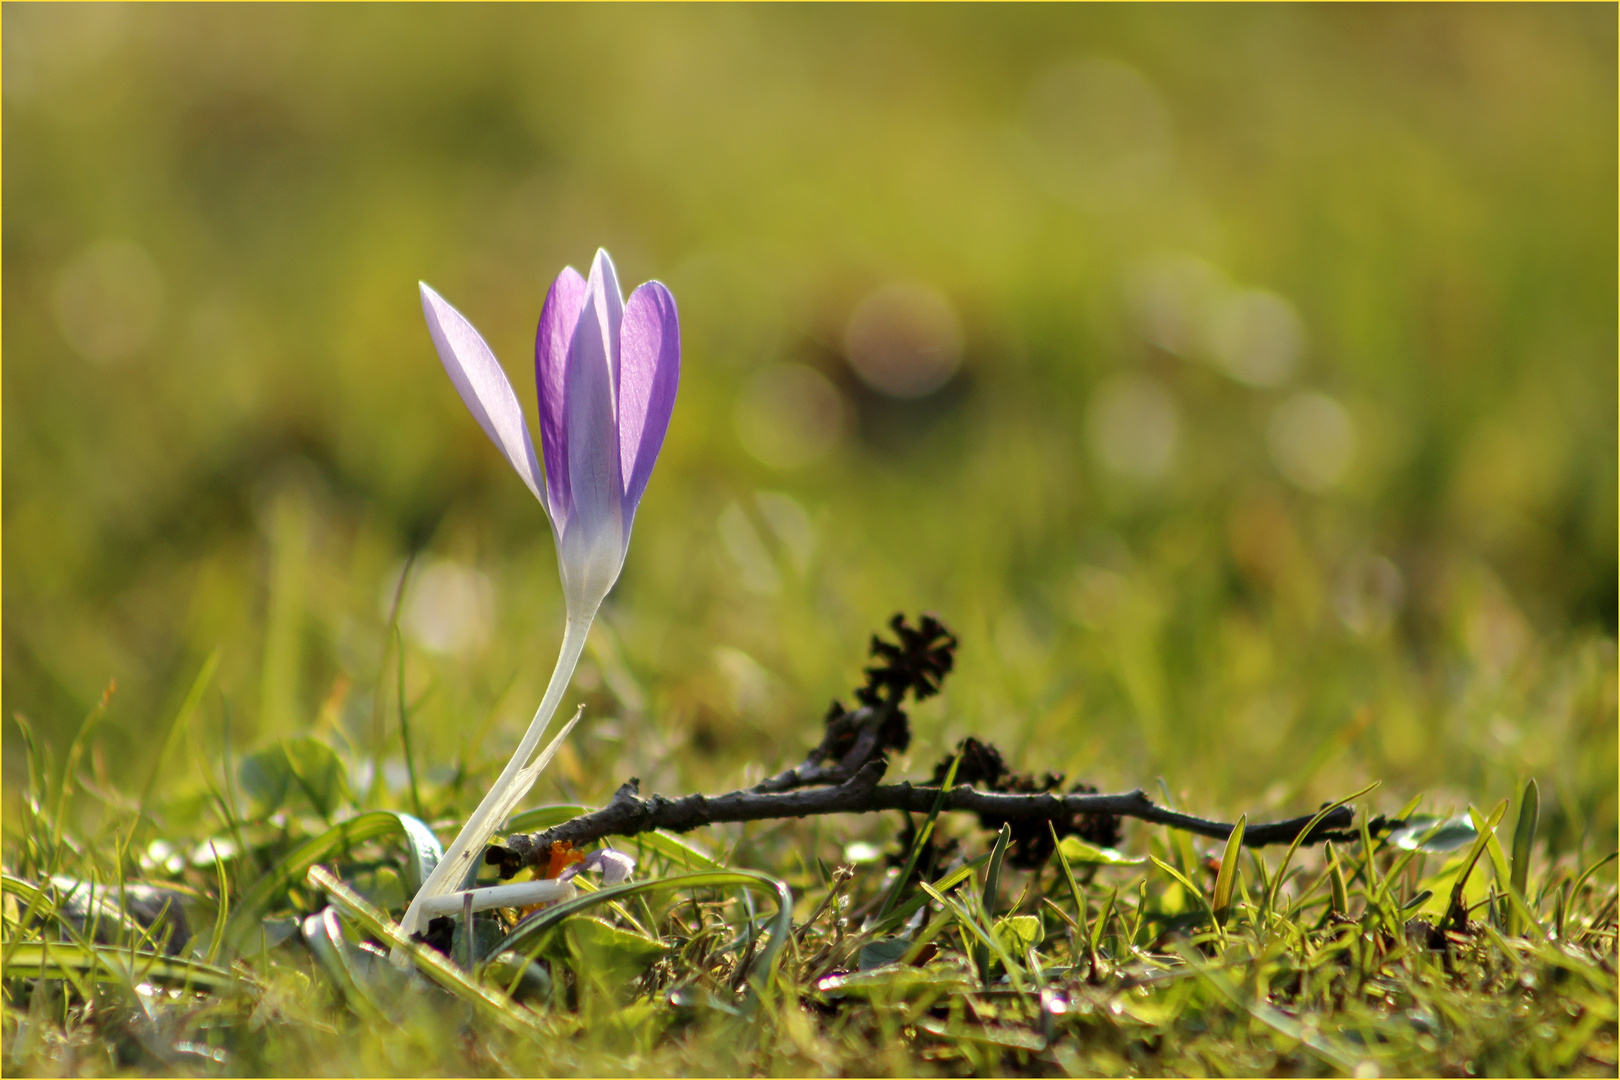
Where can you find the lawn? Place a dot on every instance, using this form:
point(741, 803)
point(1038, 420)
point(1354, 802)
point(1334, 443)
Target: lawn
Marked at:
point(1236, 385)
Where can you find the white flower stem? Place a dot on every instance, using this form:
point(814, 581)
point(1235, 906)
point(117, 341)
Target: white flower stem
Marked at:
point(514, 783)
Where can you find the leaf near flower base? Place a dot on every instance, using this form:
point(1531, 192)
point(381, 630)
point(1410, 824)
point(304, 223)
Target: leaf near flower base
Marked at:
point(1077, 850)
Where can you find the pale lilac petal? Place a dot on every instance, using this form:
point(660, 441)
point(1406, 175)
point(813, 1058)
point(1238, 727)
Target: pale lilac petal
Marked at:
point(649, 369)
point(558, 319)
point(483, 386)
point(604, 295)
point(592, 537)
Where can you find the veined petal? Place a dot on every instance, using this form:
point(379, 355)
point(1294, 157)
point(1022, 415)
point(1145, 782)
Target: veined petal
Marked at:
point(483, 386)
point(649, 369)
point(558, 320)
point(592, 540)
point(605, 296)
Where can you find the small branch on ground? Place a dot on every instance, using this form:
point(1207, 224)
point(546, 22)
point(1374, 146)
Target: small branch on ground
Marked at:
point(628, 814)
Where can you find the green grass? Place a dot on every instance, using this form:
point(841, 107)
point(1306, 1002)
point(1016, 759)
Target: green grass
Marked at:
point(1441, 955)
point(226, 437)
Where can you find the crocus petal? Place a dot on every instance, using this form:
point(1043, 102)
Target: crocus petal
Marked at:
point(614, 866)
point(604, 295)
point(482, 385)
point(592, 540)
point(558, 319)
point(649, 369)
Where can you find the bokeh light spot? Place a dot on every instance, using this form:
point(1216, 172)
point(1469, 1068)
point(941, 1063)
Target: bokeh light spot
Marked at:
point(1256, 337)
point(449, 608)
point(904, 340)
point(1312, 440)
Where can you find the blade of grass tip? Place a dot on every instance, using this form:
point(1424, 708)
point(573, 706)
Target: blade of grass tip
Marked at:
point(182, 720)
point(1524, 839)
point(1457, 910)
point(1081, 909)
point(75, 751)
point(992, 885)
point(922, 837)
point(1270, 902)
point(1571, 894)
point(1227, 877)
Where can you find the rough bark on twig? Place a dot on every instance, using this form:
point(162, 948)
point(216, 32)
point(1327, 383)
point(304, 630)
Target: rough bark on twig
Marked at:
point(628, 814)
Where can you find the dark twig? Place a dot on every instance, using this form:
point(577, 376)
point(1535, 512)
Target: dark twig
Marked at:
point(863, 725)
point(628, 814)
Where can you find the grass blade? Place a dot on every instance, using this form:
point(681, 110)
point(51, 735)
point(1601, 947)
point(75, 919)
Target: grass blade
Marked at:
point(992, 886)
point(109, 963)
point(1457, 910)
point(1081, 908)
point(1227, 878)
point(1524, 840)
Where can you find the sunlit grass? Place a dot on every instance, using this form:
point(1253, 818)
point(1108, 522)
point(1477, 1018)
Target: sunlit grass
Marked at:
point(1439, 953)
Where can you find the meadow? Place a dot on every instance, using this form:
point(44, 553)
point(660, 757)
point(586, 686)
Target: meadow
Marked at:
point(1236, 383)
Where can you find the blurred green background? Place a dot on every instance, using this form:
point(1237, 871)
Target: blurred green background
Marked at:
point(1239, 383)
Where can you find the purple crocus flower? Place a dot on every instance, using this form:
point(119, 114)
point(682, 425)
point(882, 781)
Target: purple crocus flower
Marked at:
point(606, 372)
